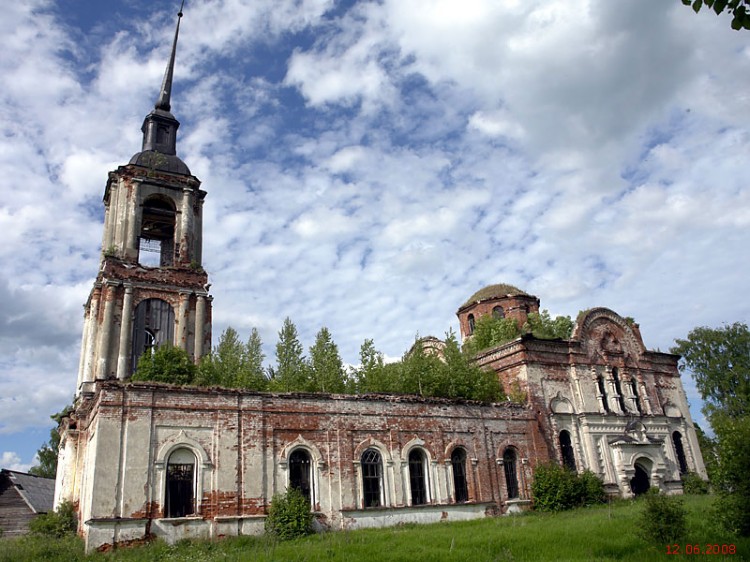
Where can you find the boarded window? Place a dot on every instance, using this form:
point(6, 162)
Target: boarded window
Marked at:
point(510, 467)
point(180, 485)
point(458, 464)
point(153, 326)
point(372, 478)
point(417, 477)
point(566, 448)
point(680, 451)
point(300, 472)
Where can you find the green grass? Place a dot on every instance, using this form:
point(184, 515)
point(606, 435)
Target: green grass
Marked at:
point(600, 533)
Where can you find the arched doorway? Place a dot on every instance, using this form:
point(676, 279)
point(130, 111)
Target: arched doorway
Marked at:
point(640, 482)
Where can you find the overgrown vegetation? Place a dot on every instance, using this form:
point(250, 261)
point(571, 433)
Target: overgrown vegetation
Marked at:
point(490, 331)
point(608, 532)
point(166, 363)
point(447, 373)
point(289, 516)
point(56, 524)
point(694, 484)
point(556, 488)
point(719, 361)
point(663, 519)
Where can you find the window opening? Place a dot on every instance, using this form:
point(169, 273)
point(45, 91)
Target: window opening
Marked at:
point(681, 459)
point(511, 479)
point(300, 466)
point(417, 477)
point(471, 324)
point(634, 384)
point(458, 464)
point(566, 448)
point(602, 392)
point(498, 312)
point(153, 326)
point(180, 488)
point(156, 239)
point(618, 389)
point(372, 477)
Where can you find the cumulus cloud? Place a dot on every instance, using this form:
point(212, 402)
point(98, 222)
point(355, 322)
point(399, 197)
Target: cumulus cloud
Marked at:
point(370, 164)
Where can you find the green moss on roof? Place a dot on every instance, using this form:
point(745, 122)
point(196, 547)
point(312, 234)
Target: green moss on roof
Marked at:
point(494, 292)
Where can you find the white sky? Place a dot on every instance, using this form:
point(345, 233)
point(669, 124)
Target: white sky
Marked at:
point(369, 165)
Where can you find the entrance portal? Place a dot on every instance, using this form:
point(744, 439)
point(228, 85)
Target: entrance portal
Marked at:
point(639, 484)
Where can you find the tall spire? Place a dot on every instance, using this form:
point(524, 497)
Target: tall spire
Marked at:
point(160, 127)
point(166, 87)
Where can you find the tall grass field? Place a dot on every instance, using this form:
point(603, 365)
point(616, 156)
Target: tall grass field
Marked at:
point(609, 532)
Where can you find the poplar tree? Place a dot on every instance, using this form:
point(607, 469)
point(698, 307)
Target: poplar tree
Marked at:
point(291, 371)
point(327, 372)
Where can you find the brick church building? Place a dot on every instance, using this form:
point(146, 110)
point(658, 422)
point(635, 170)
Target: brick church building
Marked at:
point(148, 459)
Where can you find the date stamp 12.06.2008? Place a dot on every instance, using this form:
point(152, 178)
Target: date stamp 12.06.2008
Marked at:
point(707, 548)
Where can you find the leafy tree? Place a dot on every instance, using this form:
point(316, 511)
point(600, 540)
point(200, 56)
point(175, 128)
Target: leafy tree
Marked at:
point(740, 10)
point(719, 360)
point(47, 453)
point(292, 368)
point(326, 368)
point(370, 376)
point(543, 326)
point(253, 375)
point(490, 331)
point(168, 364)
point(465, 379)
point(233, 364)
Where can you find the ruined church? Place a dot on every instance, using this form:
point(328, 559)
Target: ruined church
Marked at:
point(144, 459)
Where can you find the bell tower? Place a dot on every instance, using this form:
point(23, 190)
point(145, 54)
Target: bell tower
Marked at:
point(151, 288)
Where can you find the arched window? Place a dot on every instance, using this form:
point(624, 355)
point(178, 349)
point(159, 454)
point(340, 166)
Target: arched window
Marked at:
point(498, 312)
point(618, 390)
point(300, 472)
point(180, 484)
point(566, 448)
point(602, 392)
point(471, 324)
point(153, 326)
point(458, 464)
point(372, 478)
point(156, 240)
point(634, 385)
point(511, 477)
point(680, 451)
point(417, 477)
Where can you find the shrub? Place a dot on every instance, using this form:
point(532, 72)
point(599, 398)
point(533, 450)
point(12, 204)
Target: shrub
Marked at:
point(166, 363)
point(694, 484)
point(57, 524)
point(592, 489)
point(556, 488)
point(664, 518)
point(289, 515)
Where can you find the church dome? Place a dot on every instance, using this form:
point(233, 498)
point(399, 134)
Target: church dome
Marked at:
point(496, 291)
point(159, 161)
